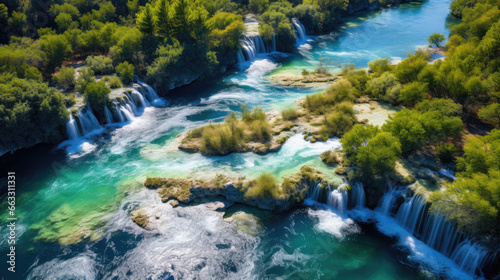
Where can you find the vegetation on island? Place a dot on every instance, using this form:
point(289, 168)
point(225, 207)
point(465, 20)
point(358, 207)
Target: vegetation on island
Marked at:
point(233, 135)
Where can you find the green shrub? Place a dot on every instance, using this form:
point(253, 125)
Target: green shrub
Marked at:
point(436, 39)
point(340, 121)
point(412, 93)
point(101, 65)
point(331, 158)
point(446, 152)
point(290, 114)
point(114, 82)
point(263, 187)
point(65, 78)
point(96, 94)
point(126, 72)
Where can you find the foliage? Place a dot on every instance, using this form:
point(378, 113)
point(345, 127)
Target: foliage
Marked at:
point(379, 66)
point(340, 121)
point(491, 114)
point(65, 78)
point(114, 82)
point(126, 72)
point(375, 152)
point(30, 113)
point(234, 134)
point(412, 93)
point(96, 94)
point(86, 76)
point(446, 152)
point(481, 154)
point(384, 87)
point(101, 65)
point(436, 39)
point(430, 122)
point(320, 103)
point(265, 186)
point(290, 114)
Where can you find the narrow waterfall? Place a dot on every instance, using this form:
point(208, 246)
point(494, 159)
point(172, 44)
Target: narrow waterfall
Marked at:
point(240, 57)
point(386, 202)
point(108, 115)
point(314, 191)
point(72, 128)
point(357, 195)
point(338, 198)
point(88, 121)
point(300, 30)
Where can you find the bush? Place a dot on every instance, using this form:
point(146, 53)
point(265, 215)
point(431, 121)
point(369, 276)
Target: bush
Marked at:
point(339, 122)
point(114, 82)
point(320, 103)
point(331, 158)
point(126, 72)
point(96, 94)
point(491, 114)
point(85, 77)
point(379, 66)
point(101, 65)
point(233, 134)
point(379, 87)
point(65, 78)
point(263, 187)
point(436, 39)
point(413, 93)
point(446, 152)
point(290, 114)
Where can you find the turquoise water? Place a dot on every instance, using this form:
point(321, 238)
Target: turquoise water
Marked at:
point(74, 210)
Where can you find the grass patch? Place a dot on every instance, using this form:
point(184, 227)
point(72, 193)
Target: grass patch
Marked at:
point(233, 134)
point(290, 114)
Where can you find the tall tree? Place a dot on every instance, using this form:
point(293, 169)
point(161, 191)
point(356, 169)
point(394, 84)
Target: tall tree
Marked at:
point(162, 18)
point(145, 20)
point(180, 26)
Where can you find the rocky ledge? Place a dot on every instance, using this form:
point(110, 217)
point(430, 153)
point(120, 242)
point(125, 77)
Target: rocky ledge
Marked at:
point(309, 80)
point(228, 191)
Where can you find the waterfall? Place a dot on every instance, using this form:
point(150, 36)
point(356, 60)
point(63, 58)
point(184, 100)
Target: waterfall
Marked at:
point(338, 198)
point(149, 93)
point(273, 46)
point(252, 46)
point(469, 256)
point(107, 113)
point(411, 213)
point(314, 191)
point(357, 195)
point(240, 57)
point(88, 121)
point(299, 28)
point(72, 128)
point(386, 203)
point(437, 232)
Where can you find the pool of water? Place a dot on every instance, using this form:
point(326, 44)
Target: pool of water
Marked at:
point(73, 211)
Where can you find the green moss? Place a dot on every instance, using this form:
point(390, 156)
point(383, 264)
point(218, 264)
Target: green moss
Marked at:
point(140, 218)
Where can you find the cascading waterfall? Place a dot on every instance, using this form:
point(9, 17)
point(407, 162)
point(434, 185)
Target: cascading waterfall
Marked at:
point(438, 233)
point(252, 46)
point(122, 109)
point(108, 115)
point(357, 195)
point(411, 213)
point(88, 121)
point(338, 198)
point(273, 44)
point(72, 128)
point(300, 30)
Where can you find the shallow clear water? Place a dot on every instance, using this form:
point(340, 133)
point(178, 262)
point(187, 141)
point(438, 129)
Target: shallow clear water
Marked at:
point(62, 199)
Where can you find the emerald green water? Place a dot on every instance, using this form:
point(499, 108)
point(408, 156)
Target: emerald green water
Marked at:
point(73, 211)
